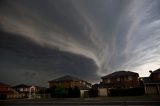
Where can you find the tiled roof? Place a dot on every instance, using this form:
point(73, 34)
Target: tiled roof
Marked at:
point(120, 73)
point(6, 91)
point(156, 71)
point(3, 84)
point(66, 78)
point(22, 86)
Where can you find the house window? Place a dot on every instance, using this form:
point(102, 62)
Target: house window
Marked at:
point(21, 89)
point(108, 80)
point(118, 79)
point(84, 83)
point(129, 78)
point(59, 83)
point(25, 89)
point(9, 89)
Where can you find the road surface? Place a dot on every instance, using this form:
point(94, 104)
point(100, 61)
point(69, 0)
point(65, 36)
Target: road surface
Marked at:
point(91, 103)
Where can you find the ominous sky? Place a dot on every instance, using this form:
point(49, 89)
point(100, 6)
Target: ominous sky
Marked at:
point(41, 40)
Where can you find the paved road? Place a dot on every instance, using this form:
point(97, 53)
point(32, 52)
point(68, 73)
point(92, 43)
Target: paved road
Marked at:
point(54, 103)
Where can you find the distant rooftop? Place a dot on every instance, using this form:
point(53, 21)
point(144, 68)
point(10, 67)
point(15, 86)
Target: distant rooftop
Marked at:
point(120, 73)
point(22, 86)
point(3, 84)
point(26, 86)
point(156, 71)
point(65, 78)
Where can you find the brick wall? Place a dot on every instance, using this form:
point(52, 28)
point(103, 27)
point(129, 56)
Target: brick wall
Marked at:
point(67, 84)
point(122, 81)
point(155, 76)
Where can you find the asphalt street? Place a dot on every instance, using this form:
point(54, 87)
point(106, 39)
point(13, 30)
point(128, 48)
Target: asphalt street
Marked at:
point(54, 103)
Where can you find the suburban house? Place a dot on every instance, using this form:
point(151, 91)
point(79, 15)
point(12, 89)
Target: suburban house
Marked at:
point(27, 91)
point(22, 89)
point(71, 82)
point(6, 91)
point(119, 79)
point(152, 83)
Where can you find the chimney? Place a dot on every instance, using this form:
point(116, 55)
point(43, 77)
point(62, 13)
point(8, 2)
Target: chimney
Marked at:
point(150, 71)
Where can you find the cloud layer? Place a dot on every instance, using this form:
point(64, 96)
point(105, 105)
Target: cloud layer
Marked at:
point(45, 39)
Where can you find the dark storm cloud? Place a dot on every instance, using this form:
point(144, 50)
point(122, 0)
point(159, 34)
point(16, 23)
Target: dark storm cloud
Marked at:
point(25, 59)
point(29, 74)
point(43, 39)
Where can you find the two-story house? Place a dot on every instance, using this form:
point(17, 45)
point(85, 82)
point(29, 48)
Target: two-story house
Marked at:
point(118, 79)
point(27, 91)
point(155, 75)
point(152, 83)
point(121, 79)
point(22, 89)
point(68, 82)
point(71, 82)
point(6, 91)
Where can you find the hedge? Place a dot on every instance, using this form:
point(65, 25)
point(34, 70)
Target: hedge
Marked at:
point(93, 92)
point(60, 92)
point(127, 92)
point(3, 96)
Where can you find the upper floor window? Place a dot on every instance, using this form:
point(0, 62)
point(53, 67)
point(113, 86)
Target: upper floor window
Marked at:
point(59, 83)
point(8, 89)
point(25, 89)
point(129, 78)
point(84, 83)
point(118, 79)
point(21, 89)
point(108, 80)
point(76, 82)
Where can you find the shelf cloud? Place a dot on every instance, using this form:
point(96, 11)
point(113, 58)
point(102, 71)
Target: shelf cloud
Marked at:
point(43, 39)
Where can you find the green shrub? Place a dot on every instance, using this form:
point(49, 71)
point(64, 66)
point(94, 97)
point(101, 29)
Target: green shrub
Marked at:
point(73, 92)
point(60, 92)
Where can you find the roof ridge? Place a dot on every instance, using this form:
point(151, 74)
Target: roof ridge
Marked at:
point(119, 73)
point(65, 77)
point(5, 84)
point(22, 85)
point(157, 70)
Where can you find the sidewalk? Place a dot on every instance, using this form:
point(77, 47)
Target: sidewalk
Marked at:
point(126, 99)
